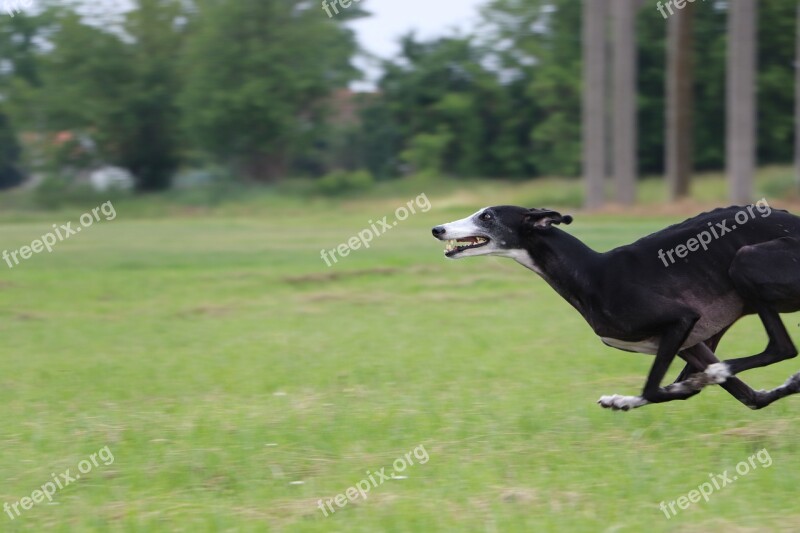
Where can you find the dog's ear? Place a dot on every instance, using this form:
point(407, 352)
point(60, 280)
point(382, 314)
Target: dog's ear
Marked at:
point(544, 218)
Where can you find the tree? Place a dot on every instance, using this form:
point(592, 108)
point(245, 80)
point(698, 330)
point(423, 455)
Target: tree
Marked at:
point(19, 75)
point(651, 30)
point(594, 100)
point(536, 55)
point(797, 101)
point(118, 88)
point(444, 101)
point(774, 80)
point(258, 73)
point(86, 83)
point(150, 148)
point(9, 155)
point(555, 89)
point(680, 81)
point(740, 102)
point(624, 115)
point(709, 54)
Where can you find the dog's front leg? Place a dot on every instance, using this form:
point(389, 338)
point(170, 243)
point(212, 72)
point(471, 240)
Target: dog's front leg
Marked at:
point(671, 342)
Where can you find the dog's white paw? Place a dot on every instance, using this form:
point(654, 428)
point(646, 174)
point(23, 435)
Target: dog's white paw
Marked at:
point(618, 402)
point(718, 373)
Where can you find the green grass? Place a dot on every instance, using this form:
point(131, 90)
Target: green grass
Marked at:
point(220, 360)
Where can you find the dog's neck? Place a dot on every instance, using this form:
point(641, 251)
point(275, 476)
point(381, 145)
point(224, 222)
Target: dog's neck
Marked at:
point(566, 263)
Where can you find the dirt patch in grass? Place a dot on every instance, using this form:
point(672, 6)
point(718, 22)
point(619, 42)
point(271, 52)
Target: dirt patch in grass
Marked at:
point(324, 277)
point(207, 310)
point(773, 428)
point(28, 317)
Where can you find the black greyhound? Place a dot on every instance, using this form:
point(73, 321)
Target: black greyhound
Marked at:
point(676, 291)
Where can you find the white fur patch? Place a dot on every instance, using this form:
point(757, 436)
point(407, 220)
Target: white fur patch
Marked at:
point(522, 257)
point(680, 387)
point(465, 227)
point(619, 402)
point(718, 372)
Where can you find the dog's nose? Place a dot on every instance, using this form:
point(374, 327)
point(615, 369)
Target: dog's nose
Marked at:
point(438, 231)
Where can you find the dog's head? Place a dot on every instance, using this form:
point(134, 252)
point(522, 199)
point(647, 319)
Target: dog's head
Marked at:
point(500, 230)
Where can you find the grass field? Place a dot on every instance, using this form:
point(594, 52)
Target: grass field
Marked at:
point(237, 380)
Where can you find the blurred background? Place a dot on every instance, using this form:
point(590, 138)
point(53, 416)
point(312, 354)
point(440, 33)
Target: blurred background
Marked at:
point(180, 94)
point(239, 379)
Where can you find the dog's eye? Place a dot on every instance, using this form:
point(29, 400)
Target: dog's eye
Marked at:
point(485, 216)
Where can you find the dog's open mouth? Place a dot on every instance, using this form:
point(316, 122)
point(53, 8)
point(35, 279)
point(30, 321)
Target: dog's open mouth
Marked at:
point(456, 246)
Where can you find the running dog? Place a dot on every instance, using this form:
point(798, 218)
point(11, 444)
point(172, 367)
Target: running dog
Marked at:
point(675, 292)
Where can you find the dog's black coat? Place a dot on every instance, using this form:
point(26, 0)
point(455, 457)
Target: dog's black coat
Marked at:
point(632, 298)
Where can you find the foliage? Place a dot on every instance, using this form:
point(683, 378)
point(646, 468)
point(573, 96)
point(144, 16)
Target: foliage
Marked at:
point(62, 189)
point(425, 152)
point(118, 88)
point(259, 87)
point(342, 181)
point(252, 100)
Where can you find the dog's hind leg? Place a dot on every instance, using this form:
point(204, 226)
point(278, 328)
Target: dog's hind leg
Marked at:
point(767, 276)
point(779, 348)
point(700, 355)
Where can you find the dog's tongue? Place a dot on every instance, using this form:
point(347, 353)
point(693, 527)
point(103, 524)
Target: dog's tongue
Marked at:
point(468, 239)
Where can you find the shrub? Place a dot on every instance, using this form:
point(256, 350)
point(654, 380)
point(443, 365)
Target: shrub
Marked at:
point(59, 190)
point(342, 181)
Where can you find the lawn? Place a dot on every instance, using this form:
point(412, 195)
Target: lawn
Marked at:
point(238, 380)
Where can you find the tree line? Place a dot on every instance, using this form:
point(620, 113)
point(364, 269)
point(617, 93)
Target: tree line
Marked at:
point(259, 86)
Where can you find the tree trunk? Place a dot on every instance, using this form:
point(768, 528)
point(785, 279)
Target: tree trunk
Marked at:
point(594, 100)
point(740, 101)
point(264, 168)
point(797, 102)
point(680, 79)
point(624, 118)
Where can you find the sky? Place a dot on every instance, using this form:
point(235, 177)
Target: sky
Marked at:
point(380, 33)
point(392, 18)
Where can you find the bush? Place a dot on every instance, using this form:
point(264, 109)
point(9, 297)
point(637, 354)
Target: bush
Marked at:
point(58, 190)
point(341, 182)
point(426, 153)
point(51, 193)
